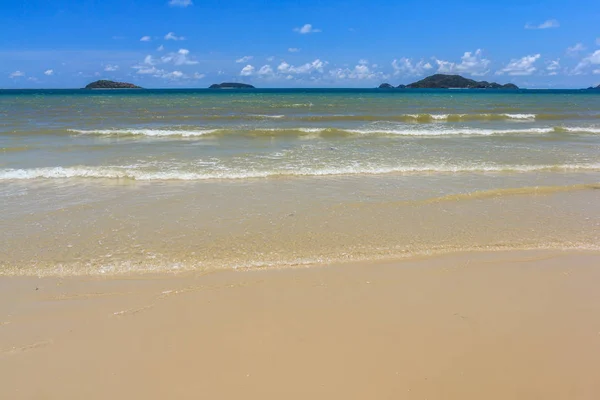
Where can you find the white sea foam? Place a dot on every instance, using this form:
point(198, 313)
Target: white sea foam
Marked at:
point(441, 131)
point(268, 116)
point(444, 117)
point(520, 116)
point(134, 173)
point(398, 130)
point(145, 132)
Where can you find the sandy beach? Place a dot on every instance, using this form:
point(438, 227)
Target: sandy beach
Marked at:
point(502, 325)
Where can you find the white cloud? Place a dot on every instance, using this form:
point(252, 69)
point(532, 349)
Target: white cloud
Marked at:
point(270, 59)
point(111, 68)
point(160, 48)
point(592, 59)
point(247, 70)
point(576, 49)
point(551, 23)
point(598, 41)
point(244, 59)
point(180, 3)
point(553, 67)
point(173, 75)
point(149, 65)
point(521, 66)
point(405, 66)
point(198, 75)
point(308, 68)
point(265, 70)
point(179, 58)
point(471, 63)
point(49, 72)
point(307, 28)
point(596, 72)
point(159, 73)
point(293, 49)
point(148, 70)
point(16, 74)
point(361, 71)
point(145, 39)
point(172, 36)
point(148, 60)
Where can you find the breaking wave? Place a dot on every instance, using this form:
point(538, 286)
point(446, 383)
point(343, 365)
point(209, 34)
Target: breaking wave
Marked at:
point(382, 130)
point(136, 173)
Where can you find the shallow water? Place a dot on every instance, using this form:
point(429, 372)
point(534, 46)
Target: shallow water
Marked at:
point(133, 181)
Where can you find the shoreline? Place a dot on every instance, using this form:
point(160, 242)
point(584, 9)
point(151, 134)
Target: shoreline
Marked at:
point(494, 325)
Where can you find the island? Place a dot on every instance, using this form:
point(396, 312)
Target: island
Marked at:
point(442, 81)
point(104, 84)
point(594, 88)
point(388, 86)
point(231, 85)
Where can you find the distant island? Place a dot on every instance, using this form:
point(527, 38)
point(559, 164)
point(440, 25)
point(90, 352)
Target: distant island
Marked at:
point(442, 81)
point(594, 88)
point(103, 84)
point(231, 85)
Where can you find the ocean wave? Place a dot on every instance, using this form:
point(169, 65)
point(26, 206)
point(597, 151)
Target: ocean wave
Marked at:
point(144, 132)
point(264, 116)
point(443, 117)
point(136, 173)
point(409, 118)
point(375, 129)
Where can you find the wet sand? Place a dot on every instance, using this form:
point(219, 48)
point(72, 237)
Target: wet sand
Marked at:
point(503, 325)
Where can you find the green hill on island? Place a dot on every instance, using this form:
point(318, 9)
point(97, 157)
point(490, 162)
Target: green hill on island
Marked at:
point(442, 81)
point(104, 84)
point(231, 85)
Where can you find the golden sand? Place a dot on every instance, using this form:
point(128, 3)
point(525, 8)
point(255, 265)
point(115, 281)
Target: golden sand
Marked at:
point(511, 325)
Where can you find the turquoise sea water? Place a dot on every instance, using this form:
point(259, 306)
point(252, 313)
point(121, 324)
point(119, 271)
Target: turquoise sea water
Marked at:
point(203, 134)
point(111, 169)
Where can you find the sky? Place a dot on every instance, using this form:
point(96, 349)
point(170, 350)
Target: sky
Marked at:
point(302, 43)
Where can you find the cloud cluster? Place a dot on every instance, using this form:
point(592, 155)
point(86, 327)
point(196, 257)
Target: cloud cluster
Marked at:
point(244, 59)
point(248, 70)
point(471, 63)
point(553, 67)
point(111, 68)
point(307, 28)
point(551, 23)
point(406, 67)
point(587, 63)
point(523, 66)
point(49, 72)
point(361, 71)
point(308, 68)
point(172, 36)
point(150, 65)
point(285, 70)
point(576, 49)
point(145, 39)
point(16, 74)
point(181, 57)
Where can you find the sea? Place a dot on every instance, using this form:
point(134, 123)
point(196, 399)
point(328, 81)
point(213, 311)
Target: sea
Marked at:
point(112, 182)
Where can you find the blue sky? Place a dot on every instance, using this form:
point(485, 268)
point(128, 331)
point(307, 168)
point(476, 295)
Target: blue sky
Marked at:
point(309, 43)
